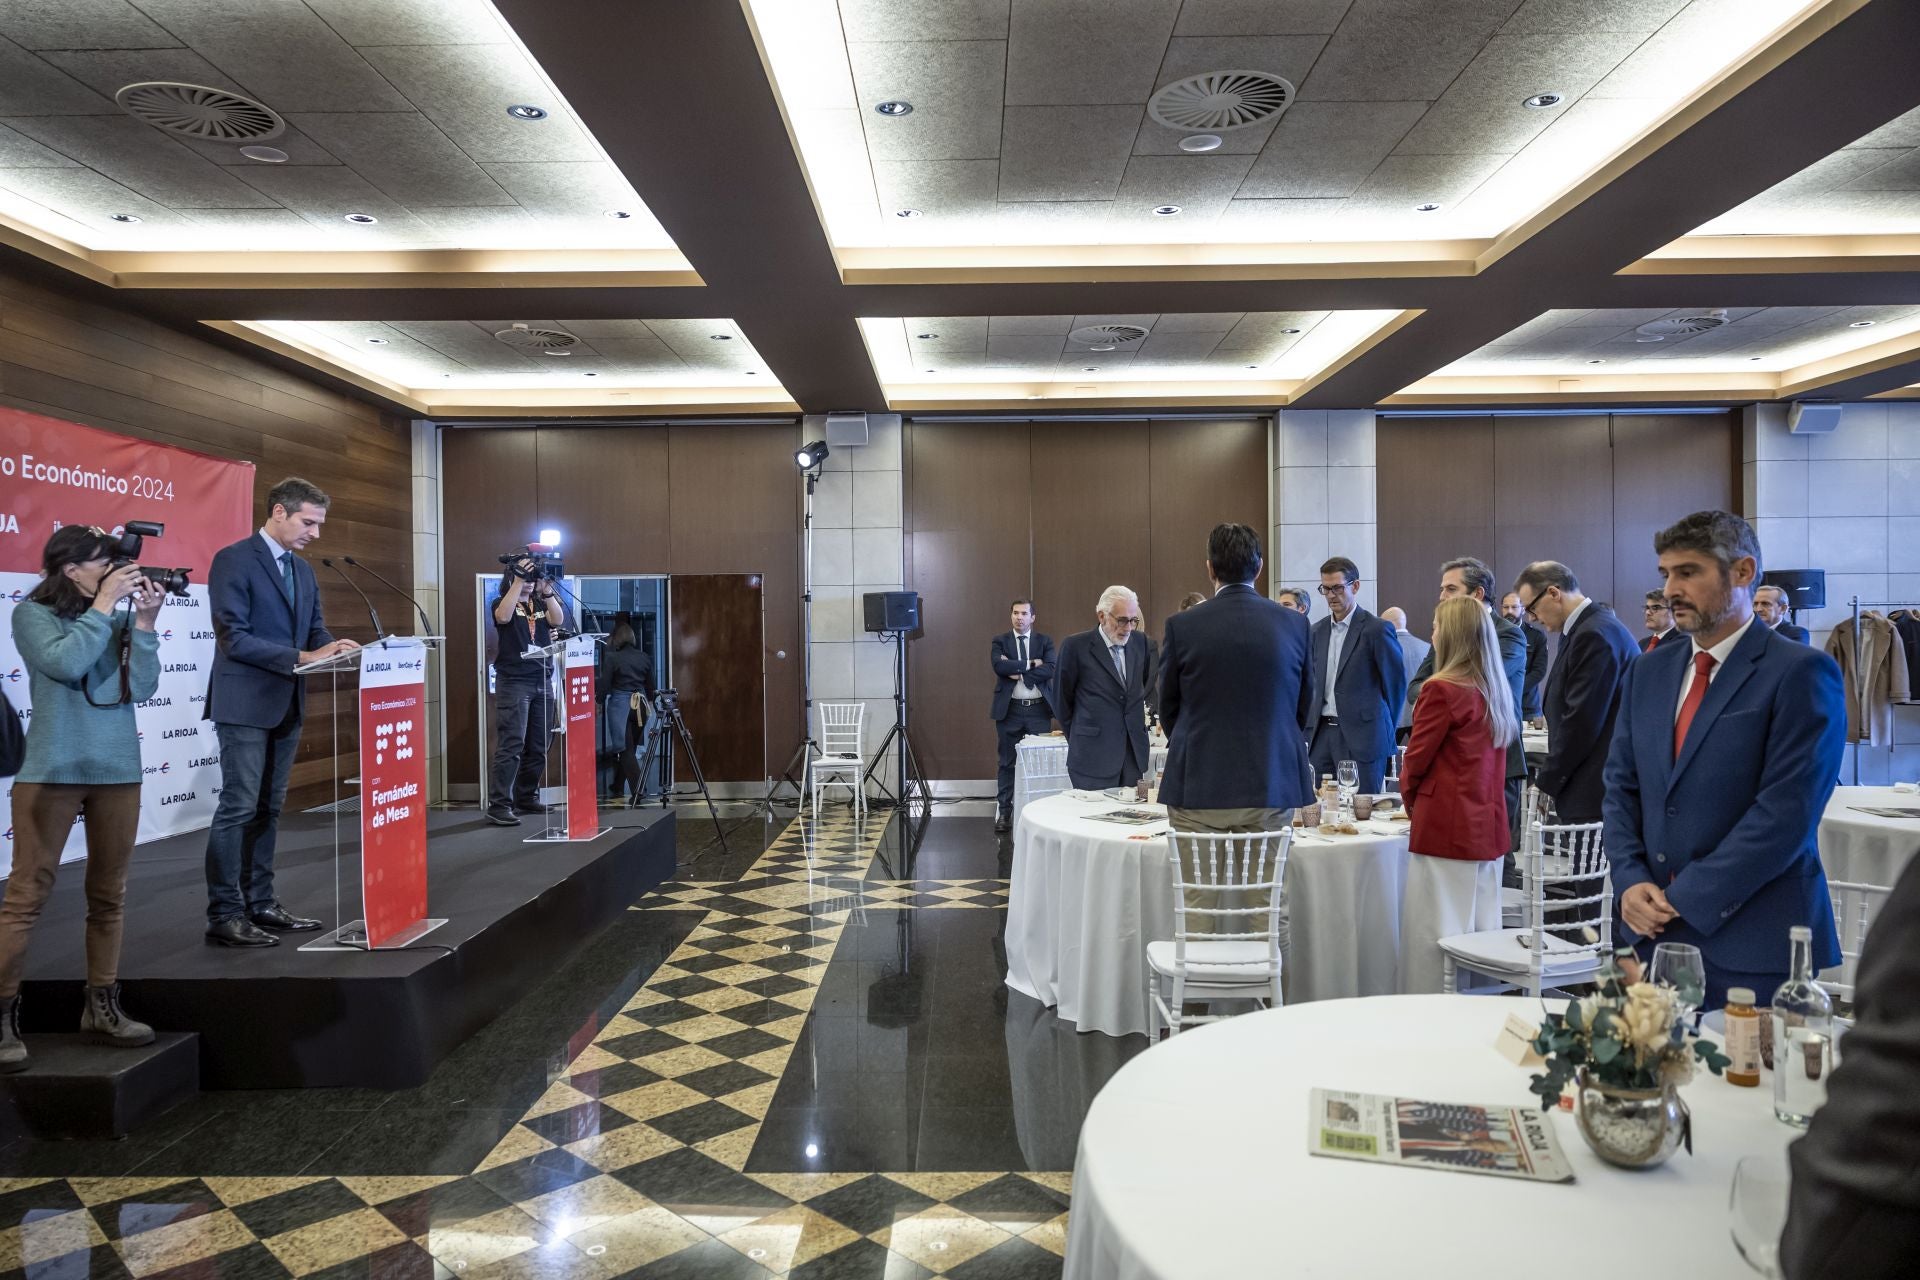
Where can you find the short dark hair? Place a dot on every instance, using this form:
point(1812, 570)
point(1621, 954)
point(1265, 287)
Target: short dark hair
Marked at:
point(1720, 534)
point(1342, 566)
point(1474, 573)
point(1017, 603)
point(1193, 598)
point(1234, 552)
point(1657, 596)
point(1542, 574)
point(294, 493)
point(70, 544)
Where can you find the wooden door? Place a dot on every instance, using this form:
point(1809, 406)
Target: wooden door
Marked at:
point(716, 625)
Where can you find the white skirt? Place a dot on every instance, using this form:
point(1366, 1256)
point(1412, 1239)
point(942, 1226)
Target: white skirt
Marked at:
point(1443, 896)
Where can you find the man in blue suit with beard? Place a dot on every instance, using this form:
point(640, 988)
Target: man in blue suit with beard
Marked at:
point(1359, 681)
point(1100, 695)
point(1724, 755)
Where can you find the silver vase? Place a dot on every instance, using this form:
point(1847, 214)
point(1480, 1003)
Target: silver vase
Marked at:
point(1631, 1128)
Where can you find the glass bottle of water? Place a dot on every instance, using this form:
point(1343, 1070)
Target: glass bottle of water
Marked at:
point(1802, 1037)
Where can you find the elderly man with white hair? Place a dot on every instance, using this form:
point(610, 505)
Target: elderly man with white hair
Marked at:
point(1100, 695)
point(1413, 652)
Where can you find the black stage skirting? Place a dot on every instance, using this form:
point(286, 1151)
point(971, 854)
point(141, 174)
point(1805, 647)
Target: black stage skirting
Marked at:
point(279, 1017)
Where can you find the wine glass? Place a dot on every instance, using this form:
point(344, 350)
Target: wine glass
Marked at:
point(1347, 774)
point(1678, 965)
point(1757, 1210)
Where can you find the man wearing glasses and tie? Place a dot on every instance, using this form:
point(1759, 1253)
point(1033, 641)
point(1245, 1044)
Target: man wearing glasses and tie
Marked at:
point(1101, 692)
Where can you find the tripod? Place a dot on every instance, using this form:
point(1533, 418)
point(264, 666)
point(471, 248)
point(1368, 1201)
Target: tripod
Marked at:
point(795, 775)
point(908, 767)
point(667, 719)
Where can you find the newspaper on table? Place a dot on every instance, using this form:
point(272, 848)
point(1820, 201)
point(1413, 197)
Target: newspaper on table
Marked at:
point(1130, 817)
point(1510, 1142)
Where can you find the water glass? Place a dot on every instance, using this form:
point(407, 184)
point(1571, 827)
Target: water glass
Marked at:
point(1757, 1210)
point(1679, 965)
point(1347, 774)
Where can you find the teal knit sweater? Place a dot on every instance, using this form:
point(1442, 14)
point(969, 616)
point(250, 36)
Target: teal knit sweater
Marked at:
point(69, 740)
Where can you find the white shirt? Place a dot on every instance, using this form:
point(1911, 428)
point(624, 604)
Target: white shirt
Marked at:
point(1720, 654)
point(1579, 609)
point(1336, 641)
point(275, 550)
point(1021, 689)
point(1116, 653)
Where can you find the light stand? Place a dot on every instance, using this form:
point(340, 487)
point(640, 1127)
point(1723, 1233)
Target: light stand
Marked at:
point(907, 766)
point(802, 756)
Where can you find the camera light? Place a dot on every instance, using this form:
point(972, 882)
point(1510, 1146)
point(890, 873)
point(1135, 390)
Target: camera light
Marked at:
point(549, 537)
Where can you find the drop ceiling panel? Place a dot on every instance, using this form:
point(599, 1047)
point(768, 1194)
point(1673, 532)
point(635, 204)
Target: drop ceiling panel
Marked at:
point(365, 23)
point(1200, 185)
point(88, 198)
point(1476, 112)
point(281, 52)
point(1402, 50)
point(1051, 154)
point(1327, 149)
point(122, 148)
point(1259, 17)
point(1752, 339)
point(1566, 17)
point(955, 89)
point(932, 19)
point(32, 86)
point(404, 155)
point(17, 151)
point(325, 195)
point(1868, 188)
point(75, 24)
point(466, 90)
point(1086, 51)
point(938, 189)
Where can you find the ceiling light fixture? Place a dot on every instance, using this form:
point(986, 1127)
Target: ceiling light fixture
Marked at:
point(894, 107)
point(906, 213)
point(721, 337)
point(1090, 368)
point(558, 351)
point(1108, 347)
point(926, 337)
point(1542, 100)
point(1253, 366)
point(1426, 208)
point(618, 215)
point(1289, 331)
point(590, 374)
point(378, 342)
point(929, 371)
point(1198, 142)
point(1165, 210)
point(752, 373)
point(362, 219)
point(1751, 359)
point(1861, 324)
point(124, 217)
point(1649, 337)
point(521, 111)
point(265, 155)
point(1596, 362)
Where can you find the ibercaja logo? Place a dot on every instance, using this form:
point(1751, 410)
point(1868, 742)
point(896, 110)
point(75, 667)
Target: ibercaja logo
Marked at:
point(13, 676)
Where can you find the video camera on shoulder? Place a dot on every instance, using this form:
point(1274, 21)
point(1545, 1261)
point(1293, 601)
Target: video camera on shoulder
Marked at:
point(124, 548)
point(534, 563)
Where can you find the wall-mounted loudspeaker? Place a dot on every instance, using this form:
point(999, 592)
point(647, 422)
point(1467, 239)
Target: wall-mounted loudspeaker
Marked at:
point(846, 430)
point(1812, 417)
point(1805, 588)
point(892, 611)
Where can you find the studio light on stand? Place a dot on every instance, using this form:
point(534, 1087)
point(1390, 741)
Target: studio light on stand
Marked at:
point(809, 459)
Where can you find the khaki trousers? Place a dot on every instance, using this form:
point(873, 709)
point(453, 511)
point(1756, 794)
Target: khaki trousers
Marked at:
point(43, 815)
point(1227, 820)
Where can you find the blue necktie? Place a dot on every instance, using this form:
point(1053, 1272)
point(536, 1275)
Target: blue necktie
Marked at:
point(286, 574)
point(1119, 661)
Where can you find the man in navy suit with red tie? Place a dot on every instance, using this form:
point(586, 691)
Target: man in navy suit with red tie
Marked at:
point(1724, 754)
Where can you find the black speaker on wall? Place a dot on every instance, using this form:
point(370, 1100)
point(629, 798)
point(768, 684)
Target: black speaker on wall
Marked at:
point(892, 610)
point(1805, 588)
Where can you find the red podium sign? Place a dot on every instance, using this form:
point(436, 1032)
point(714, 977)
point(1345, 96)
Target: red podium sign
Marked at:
point(393, 787)
point(583, 733)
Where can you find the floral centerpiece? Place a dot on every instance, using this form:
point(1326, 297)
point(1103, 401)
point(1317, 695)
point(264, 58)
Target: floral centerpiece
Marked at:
point(1627, 1051)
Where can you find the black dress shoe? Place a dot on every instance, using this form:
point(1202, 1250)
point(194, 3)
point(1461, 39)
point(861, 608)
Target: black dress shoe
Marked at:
point(502, 818)
point(278, 917)
point(239, 932)
point(533, 810)
point(1001, 822)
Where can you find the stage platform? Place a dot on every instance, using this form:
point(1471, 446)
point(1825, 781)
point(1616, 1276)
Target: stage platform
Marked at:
point(279, 1017)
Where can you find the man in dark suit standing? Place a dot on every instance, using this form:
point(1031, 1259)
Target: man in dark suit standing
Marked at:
point(1022, 684)
point(1659, 620)
point(1770, 606)
point(1583, 693)
point(1100, 695)
point(1467, 576)
point(266, 622)
point(1532, 689)
point(1359, 681)
point(1855, 1207)
point(1724, 756)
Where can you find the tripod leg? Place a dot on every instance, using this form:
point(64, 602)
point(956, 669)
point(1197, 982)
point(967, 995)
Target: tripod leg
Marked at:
point(686, 743)
point(654, 737)
point(879, 755)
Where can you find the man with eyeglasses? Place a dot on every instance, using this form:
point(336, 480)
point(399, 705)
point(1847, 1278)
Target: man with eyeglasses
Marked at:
point(1583, 693)
point(1530, 692)
point(1660, 628)
point(1359, 682)
point(1100, 695)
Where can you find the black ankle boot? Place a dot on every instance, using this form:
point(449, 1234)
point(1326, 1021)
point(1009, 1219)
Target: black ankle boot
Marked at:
point(103, 1021)
point(13, 1050)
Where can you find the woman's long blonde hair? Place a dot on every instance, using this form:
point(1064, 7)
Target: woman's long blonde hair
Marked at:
point(1466, 650)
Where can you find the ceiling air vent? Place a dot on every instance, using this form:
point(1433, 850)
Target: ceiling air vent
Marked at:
point(529, 339)
point(1107, 335)
point(1221, 100)
point(1684, 326)
point(195, 111)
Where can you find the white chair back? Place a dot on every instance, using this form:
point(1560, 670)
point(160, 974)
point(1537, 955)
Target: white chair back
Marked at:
point(841, 727)
point(1235, 878)
point(1575, 924)
point(1854, 909)
point(1043, 773)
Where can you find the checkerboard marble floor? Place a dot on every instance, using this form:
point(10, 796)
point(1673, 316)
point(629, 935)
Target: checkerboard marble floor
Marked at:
point(640, 1157)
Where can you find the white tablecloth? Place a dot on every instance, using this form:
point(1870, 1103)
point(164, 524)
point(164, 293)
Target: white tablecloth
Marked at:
point(1022, 755)
point(1193, 1160)
point(1864, 849)
point(1085, 901)
point(1534, 743)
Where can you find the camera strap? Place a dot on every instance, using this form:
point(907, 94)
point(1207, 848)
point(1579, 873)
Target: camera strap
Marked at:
point(126, 667)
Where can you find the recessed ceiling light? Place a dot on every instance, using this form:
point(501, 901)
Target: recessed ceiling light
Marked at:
point(378, 342)
point(1426, 208)
point(752, 372)
point(591, 374)
point(930, 371)
point(1596, 362)
point(1091, 368)
point(1860, 324)
point(265, 155)
point(926, 337)
point(618, 215)
point(521, 111)
point(1540, 100)
point(894, 107)
point(1200, 142)
point(1165, 210)
point(1289, 331)
point(124, 217)
point(362, 219)
point(1751, 359)
point(1253, 366)
point(1105, 348)
point(557, 351)
point(906, 213)
point(721, 337)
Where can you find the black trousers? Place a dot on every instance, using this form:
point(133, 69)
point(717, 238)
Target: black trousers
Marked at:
point(519, 742)
point(1020, 722)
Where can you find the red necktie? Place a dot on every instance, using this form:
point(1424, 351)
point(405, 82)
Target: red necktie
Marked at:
point(1697, 694)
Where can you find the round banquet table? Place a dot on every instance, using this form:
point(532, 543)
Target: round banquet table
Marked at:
point(1193, 1160)
point(1086, 899)
point(1862, 848)
point(1022, 768)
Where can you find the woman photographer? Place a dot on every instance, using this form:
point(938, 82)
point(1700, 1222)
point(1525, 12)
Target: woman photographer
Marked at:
point(524, 618)
point(89, 662)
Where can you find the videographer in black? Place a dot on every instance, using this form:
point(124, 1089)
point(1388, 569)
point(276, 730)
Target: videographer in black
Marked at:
point(524, 618)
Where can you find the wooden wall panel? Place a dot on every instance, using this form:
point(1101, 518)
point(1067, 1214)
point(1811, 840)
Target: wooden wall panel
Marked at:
point(969, 553)
point(1434, 488)
point(1202, 474)
point(607, 491)
point(1666, 466)
point(1090, 526)
point(718, 630)
point(1553, 486)
point(118, 371)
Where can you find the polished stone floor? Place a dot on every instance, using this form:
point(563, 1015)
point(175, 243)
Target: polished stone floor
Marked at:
point(799, 1059)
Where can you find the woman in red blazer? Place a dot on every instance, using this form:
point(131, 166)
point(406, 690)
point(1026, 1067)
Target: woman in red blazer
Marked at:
point(1454, 784)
